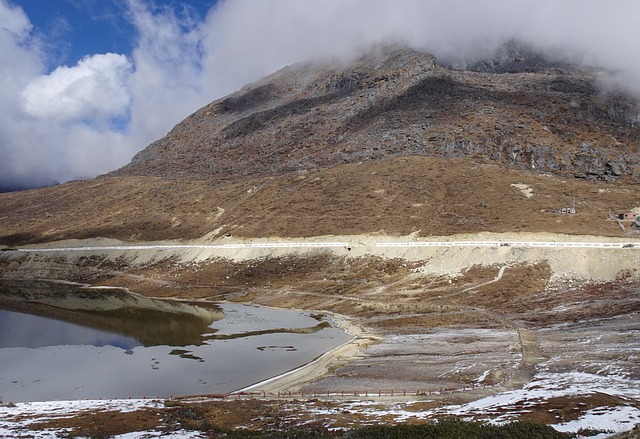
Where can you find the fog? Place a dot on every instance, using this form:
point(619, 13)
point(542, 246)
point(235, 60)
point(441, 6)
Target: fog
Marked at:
point(81, 120)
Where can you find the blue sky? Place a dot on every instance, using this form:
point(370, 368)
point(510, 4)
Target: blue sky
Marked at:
point(73, 29)
point(86, 84)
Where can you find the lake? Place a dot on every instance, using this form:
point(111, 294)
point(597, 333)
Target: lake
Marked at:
point(108, 344)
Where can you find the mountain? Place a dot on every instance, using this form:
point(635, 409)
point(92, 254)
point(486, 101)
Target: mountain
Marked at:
point(398, 102)
point(392, 142)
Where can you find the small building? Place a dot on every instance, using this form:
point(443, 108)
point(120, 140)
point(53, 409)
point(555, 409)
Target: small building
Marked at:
point(626, 215)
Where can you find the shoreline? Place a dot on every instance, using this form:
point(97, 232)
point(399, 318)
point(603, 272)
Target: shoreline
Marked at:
point(294, 379)
point(319, 362)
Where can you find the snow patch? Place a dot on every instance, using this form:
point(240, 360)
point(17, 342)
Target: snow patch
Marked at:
point(614, 419)
point(525, 189)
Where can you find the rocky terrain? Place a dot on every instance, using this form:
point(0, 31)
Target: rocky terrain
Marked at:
point(397, 102)
point(392, 147)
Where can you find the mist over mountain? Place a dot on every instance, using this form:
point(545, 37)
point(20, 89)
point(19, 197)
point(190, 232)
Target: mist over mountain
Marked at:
point(18, 187)
point(518, 108)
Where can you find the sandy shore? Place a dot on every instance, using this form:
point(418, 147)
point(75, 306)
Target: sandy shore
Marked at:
point(294, 380)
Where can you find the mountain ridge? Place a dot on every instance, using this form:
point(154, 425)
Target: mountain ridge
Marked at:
point(395, 102)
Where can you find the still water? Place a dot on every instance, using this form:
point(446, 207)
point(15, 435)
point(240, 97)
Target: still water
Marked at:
point(108, 348)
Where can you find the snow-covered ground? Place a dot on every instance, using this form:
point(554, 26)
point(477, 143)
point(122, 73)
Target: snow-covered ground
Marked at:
point(15, 419)
point(505, 406)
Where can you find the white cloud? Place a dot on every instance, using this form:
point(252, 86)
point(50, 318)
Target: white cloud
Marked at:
point(88, 119)
point(248, 38)
point(94, 88)
point(56, 126)
point(19, 61)
point(19, 58)
point(168, 81)
point(14, 21)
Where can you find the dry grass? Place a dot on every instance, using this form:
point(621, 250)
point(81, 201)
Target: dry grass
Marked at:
point(397, 196)
point(103, 424)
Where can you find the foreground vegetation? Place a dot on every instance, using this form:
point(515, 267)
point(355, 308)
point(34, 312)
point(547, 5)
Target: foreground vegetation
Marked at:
point(441, 429)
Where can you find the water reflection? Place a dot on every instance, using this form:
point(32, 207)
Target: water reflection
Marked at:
point(108, 312)
point(78, 352)
point(29, 331)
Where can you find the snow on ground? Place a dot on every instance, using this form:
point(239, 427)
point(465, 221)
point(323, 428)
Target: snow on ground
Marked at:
point(182, 434)
point(506, 405)
point(503, 407)
point(16, 418)
point(369, 412)
point(604, 418)
point(66, 408)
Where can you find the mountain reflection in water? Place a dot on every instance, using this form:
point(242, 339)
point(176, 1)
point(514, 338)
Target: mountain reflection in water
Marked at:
point(138, 320)
point(116, 317)
point(75, 339)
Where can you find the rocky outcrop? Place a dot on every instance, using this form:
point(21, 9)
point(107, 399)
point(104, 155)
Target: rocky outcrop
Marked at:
point(517, 109)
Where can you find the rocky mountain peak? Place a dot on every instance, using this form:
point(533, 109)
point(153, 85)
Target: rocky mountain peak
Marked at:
point(513, 57)
point(394, 101)
point(374, 70)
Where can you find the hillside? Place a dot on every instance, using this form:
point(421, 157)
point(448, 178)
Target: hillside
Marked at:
point(396, 196)
point(392, 142)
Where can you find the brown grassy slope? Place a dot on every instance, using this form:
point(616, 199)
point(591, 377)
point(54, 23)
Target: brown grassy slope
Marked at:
point(396, 196)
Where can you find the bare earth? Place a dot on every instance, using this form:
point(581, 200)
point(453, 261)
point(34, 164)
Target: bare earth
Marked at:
point(431, 327)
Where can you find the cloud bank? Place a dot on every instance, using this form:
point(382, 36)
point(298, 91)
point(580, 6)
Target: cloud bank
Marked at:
point(82, 120)
point(95, 88)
